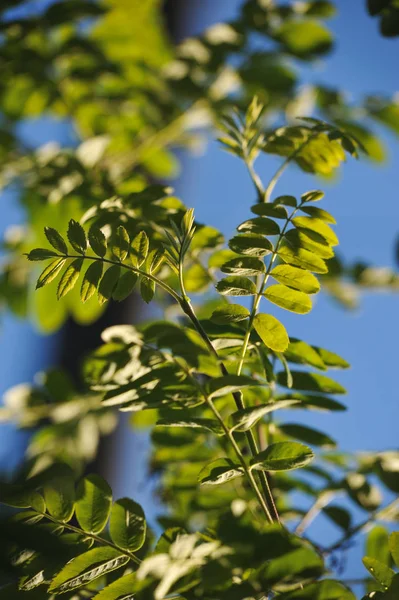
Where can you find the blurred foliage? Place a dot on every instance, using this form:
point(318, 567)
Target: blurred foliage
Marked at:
point(387, 12)
point(109, 72)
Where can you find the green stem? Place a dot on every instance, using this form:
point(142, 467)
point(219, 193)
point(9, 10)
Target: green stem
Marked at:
point(92, 536)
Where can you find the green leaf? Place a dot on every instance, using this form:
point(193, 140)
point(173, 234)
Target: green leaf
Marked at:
point(286, 200)
point(147, 289)
point(331, 359)
point(381, 572)
point(121, 243)
point(245, 265)
point(236, 286)
point(250, 244)
point(366, 495)
point(127, 524)
point(319, 213)
point(77, 237)
point(59, 495)
point(302, 353)
point(19, 496)
point(125, 286)
point(230, 313)
point(318, 226)
point(322, 403)
point(155, 259)
point(394, 546)
point(93, 505)
point(259, 225)
point(192, 422)
point(86, 568)
point(312, 196)
point(108, 283)
point(309, 240)
point(121, 589)
point(50, 272)
point(289, 299)
point(302, 258)
point(41, 254)
point(91, 280)
point(312, 382)
point(269, 210)
point(139, 249)
point(377, 544)
point(271, 332)
point(97, 241)
point(219, 471)
point(219, 386)
point(308, 435)
point(340, 516)
point(305, 38)
point(282, 456)
point(69, 278)
point(245, 419)
point(56, 240)
point(295, 278)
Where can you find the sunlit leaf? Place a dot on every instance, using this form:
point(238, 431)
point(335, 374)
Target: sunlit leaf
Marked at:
point(282, 456)
point(288, 298)
point(50, 272)
point(298, 279)
point(219, 471)
point(93, 503)
point(236, 286)
point(127, 524)
point(69, 278)
point(271, 332)
point(91, 280)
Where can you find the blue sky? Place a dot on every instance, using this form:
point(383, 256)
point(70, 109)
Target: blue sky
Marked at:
point(364, 201)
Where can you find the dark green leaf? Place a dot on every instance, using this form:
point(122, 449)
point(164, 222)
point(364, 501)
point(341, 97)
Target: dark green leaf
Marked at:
point(308, 435)
point(245, 265)
point(19, 496)
point(50, 272)
point(250, 244)
point(147, 289)
point(302, 353)
point(282, 456)
point(271, 332)
point(312, 382)
point(97, 241)
point(139, 249)
point(121, 243)
point(286, 200)
point(269, 210)
point(245, 419)
point(322, 403)
point(56, 240)
point(93, 505)
point(219, 386)
point(219, 471)
point(340, 516)
point(41, 254)
point(295, 278)
point(108, 283)
point(91, 280)
point(230, 313)
point(331, 359)
point(86, 568)
point(77, 237)
point(69, 278)
point(121, 589)
point(259, 225)
point(328, 589)
point(59, 495)
point(125, 286)
point(236, 286)
point(288, 298)
point(127, 524)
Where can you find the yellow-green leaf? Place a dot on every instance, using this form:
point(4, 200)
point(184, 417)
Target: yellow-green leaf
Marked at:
point(50, 272)
point(302, 258)
point(271, 332)
point(289, 299)
point(298, 279)
point(69, 278)
point(91, 280)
